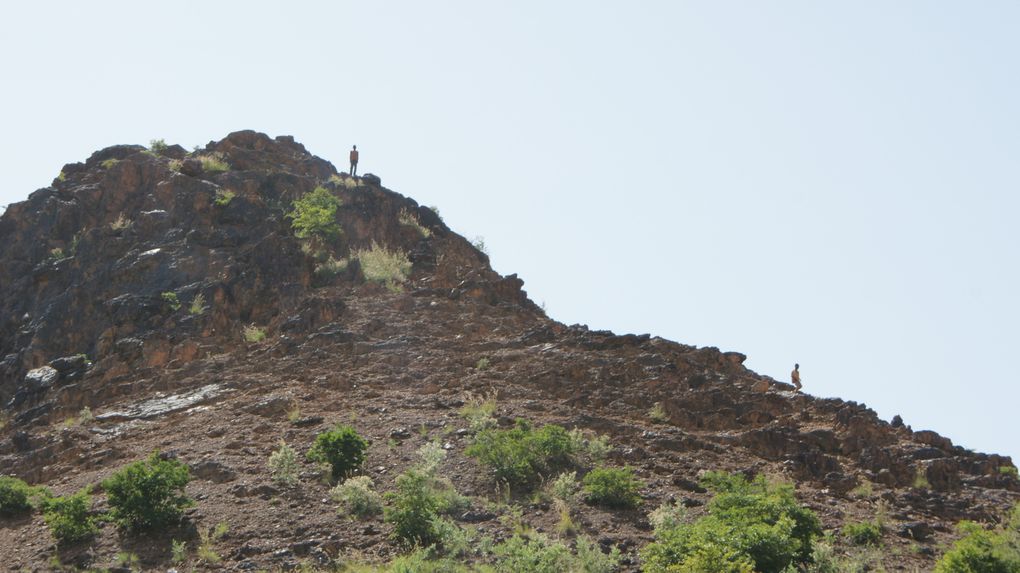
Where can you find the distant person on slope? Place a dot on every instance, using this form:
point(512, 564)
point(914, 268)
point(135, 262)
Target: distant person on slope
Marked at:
point(354, 161)
point(795, 376)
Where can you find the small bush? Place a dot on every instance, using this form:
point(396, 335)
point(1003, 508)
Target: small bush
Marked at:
point(314, 215)
point(865, 489)
point(158, 146)
point(519, 456)
point(207, 539)
point(178, 551)
point(1009, 471)
point(668, 516)
point(921, 480)
point(253, 334)
point(591, 559)
point(864, 533)
point(596, 447)
point(331, 268)
point(479, 243)
point(198, 305)
point(213, 163)
point(171, 301)
point(478, 412)
point(357, 496)
point(223, 197)
point(69, 517)
point(612, 487)
point(413, 508)
point(565, 488)
point(482, 364)
point(383, 266)
point(108, 163)
point(283, 465)
point(537, 554)
point(985, 551)
point(657, 414)
point(408, 219)
point(342, 448)
point(431, 455)
point(148, 493)
point(120, 223)
point(16, 496)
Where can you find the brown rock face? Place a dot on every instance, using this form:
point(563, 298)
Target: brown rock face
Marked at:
point(138, 285)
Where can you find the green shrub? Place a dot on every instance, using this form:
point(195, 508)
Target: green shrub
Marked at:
point(612, 487)
point(108, 163)
point(158, 146)
point(148, 493)
point(864, 533)
point(206, 551)
point(565, 488)
point(519, 456)
point(383, 266)
point(1009, 471)
point(657, 413)
point(413, 509)
point(198, 305)
point(747, 522)
point(985, 551)
point(534, 554)
point(357, 496)
point(171, 301)
point(591, 559)
point(69, 517)
point(253, 334)
point(314, 215)
point(283, 465)
point(342, 448)
point(223, 197)
point(668, 515)
point(16, 496)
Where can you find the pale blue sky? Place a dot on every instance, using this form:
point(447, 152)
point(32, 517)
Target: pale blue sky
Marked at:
point(834, 184)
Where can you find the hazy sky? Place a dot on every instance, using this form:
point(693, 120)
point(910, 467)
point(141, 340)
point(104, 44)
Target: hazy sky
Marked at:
point(834, 184)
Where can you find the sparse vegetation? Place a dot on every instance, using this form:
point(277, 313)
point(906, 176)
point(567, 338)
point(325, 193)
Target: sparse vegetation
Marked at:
point(409, 219)
point(595, 447)
point(171, 301)
point(413, 509)
point(253, 334)
point(1009, 471)
point(348, 182)
point(750, 526)
point(175, 165)
point(521, 455)
point(921, 480)
point(314, 215)
point(223, 197)
point(864, 489)
point(148, 493)
point(669, 515)
point(197, 305)
point(478, 411)
point(482, 364)
point(536, 553)
point(341, 448)
point(120, 223)
point(331, 268)
point(612, 487)
point(565, 488)
point(108, 163)
point(178, 551)
point(69, 518)
point(479, 243)
point(57, 254)
point(213, 163)
point(357, 496)
point(657, 413)
point(283, 465)
point(206, 551)
point(383, 266)
point(863, 533)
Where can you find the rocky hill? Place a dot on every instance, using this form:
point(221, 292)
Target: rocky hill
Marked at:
point(163, 300)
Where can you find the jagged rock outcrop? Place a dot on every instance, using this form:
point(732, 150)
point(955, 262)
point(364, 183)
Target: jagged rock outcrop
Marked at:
point(97, 273)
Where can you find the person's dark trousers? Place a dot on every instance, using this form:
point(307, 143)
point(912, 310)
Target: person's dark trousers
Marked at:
point(354, 169)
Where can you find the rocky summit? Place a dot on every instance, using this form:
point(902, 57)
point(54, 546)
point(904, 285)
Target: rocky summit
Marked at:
point(210, 304)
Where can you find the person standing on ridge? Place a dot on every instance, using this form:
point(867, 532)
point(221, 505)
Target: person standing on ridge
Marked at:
point(354, 161)
point(795, 376)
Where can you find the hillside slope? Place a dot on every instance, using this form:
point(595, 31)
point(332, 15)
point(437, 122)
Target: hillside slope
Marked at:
point(99, 275)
